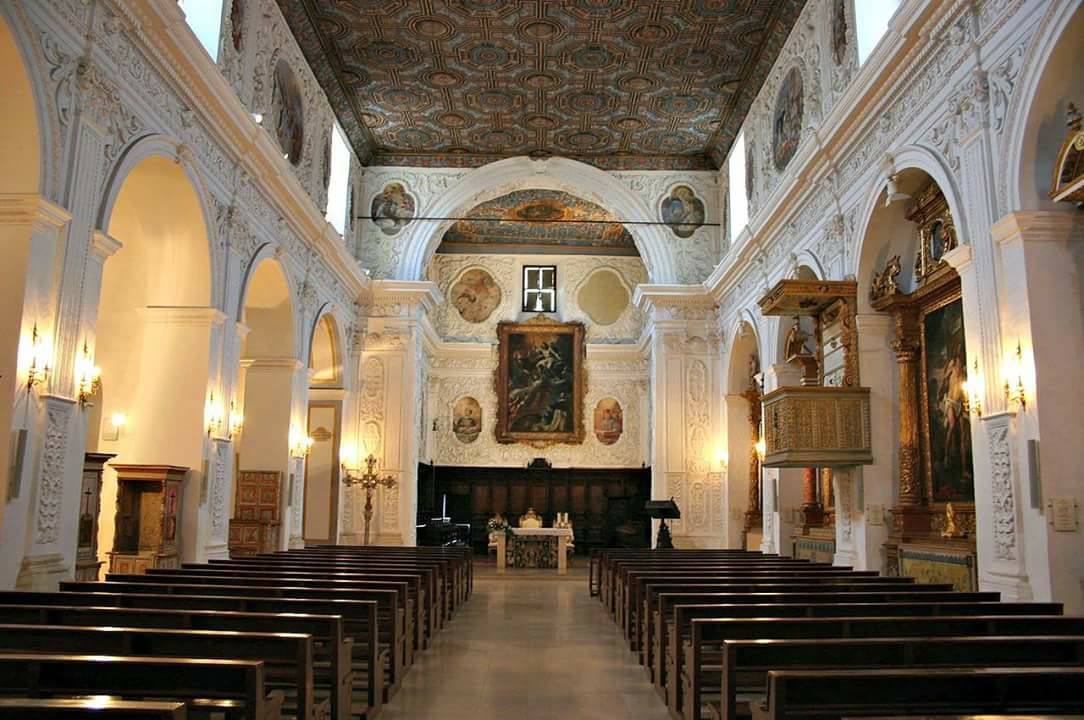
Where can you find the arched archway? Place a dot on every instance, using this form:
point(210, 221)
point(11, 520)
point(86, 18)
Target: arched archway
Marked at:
point(271, 378)
point(505, 176)
point(153, 334)
point(744, 527)
point(23, 303)
point(1035, 119)
point(325, 423)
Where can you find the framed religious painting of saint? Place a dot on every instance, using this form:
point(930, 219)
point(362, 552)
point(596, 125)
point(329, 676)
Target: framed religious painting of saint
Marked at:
point(946, 422)
point(540, 381)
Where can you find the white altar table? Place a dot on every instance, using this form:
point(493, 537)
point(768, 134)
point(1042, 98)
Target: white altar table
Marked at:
point(563, 535)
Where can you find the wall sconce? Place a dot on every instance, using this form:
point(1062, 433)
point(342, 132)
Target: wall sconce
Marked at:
point(117, 422)
point(972, 391)
point(723, 458)
point(39, 369)
point(760, 448)
point(300, 443)
point(215, 416)
point(88, 376)
point(236, 421)
point(1015, 391)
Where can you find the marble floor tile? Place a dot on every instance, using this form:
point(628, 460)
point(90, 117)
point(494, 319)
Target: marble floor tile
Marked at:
point(527, 646)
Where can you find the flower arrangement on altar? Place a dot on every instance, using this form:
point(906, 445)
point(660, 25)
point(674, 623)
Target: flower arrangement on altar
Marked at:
point(497, 523)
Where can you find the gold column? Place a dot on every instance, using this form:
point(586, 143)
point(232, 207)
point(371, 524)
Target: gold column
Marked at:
point(753, 515)
point(812, 510)
point(908, 516)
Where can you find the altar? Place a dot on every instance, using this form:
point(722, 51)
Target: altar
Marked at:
point(530, 547)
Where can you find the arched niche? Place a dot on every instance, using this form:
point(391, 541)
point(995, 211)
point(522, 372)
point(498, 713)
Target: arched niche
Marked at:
point(422, 237)
point(744, 527)
point(1035, 120)
point(325, 358)
point(267, 382)
point(20, 176)
point(153, 333)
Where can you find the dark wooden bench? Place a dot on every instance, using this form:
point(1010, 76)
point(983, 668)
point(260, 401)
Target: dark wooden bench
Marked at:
point(90, 709)
point(824, 694)
point(708, 634)
point(333, 674)
point(287, 657)
point(665, 602)
point(231, 689)
point(390, 622)
point(745, 663)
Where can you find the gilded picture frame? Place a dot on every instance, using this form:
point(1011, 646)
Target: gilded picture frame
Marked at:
point(945, 422)
point(540, 382)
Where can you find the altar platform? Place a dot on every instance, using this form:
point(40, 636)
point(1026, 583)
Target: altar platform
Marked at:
point(527, 547)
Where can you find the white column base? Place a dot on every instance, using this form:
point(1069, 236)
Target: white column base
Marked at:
point(43, 573)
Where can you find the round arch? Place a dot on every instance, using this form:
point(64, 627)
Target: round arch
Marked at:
point(267, 308)
point(326, 343)
point(911, 157)
point(21, 144)
point(163, 147)
point(1035, 118)
point(518, 173)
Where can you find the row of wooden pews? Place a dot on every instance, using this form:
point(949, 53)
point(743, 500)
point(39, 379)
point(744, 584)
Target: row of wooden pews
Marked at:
point(326, 632)
point(734, 634)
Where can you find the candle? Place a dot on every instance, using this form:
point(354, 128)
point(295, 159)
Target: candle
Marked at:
point(444, 507)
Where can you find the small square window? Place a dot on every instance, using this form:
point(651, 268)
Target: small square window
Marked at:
point(539, 288)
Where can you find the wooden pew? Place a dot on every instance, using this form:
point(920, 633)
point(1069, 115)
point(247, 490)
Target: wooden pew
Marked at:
point(823, 694)
point(287, 657)
point(90, 709)
point(332, 674)
point(310, 574)
point(685, 615)
point(746, 663)
point(434, 605)
point(713, 632)
point(602, 560)
point(665, 602)
point(390, 623)
point(233, 689)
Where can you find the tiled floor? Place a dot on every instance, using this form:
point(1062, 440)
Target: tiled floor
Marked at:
point(528, 647)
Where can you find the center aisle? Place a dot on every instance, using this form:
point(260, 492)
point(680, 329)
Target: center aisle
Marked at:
point(527, 646)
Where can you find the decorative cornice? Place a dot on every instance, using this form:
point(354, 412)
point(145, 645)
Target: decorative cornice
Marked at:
point(104, 246)
point(32, 209)
point(413, 293)
point(272, 363)
point(183, 315)
point(1038, 226)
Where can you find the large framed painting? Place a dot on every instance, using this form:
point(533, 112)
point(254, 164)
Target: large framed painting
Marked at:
point(540, 382)
point(946, 423)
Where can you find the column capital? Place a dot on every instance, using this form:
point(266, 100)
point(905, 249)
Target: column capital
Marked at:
point(1038, 226)
point(32, 209)
point(104, 246)
point(404, 298)
point(959, 258)
point(183, 315)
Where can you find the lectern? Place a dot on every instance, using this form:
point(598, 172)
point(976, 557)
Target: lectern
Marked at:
point(148, 513)
point(663, 510)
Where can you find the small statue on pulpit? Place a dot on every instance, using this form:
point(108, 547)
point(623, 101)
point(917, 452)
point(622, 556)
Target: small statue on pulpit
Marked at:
point(952, 530)
point(796, 351)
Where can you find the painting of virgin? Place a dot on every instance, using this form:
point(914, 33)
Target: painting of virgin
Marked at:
point(947, 425)
point(289, 113)
point(393, 209)
point(608, 421)
point(787, 119)
point(466, 419)
point(683, 211)
point(540, 381)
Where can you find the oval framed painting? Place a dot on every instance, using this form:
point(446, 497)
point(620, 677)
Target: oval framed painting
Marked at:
point(475, 295)
point(787, 119)
point(289, 112)
point(609, 421)
point(466, 419)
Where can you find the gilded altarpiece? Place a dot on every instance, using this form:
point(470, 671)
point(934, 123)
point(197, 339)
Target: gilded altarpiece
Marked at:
point(932, 537)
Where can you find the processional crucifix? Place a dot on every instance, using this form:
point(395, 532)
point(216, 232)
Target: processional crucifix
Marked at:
point(370, 481)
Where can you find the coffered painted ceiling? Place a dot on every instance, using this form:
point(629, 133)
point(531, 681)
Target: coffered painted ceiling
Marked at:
point(538, 221)
point(622, 84)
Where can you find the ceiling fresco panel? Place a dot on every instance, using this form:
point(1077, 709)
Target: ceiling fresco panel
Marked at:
point(621, 84)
